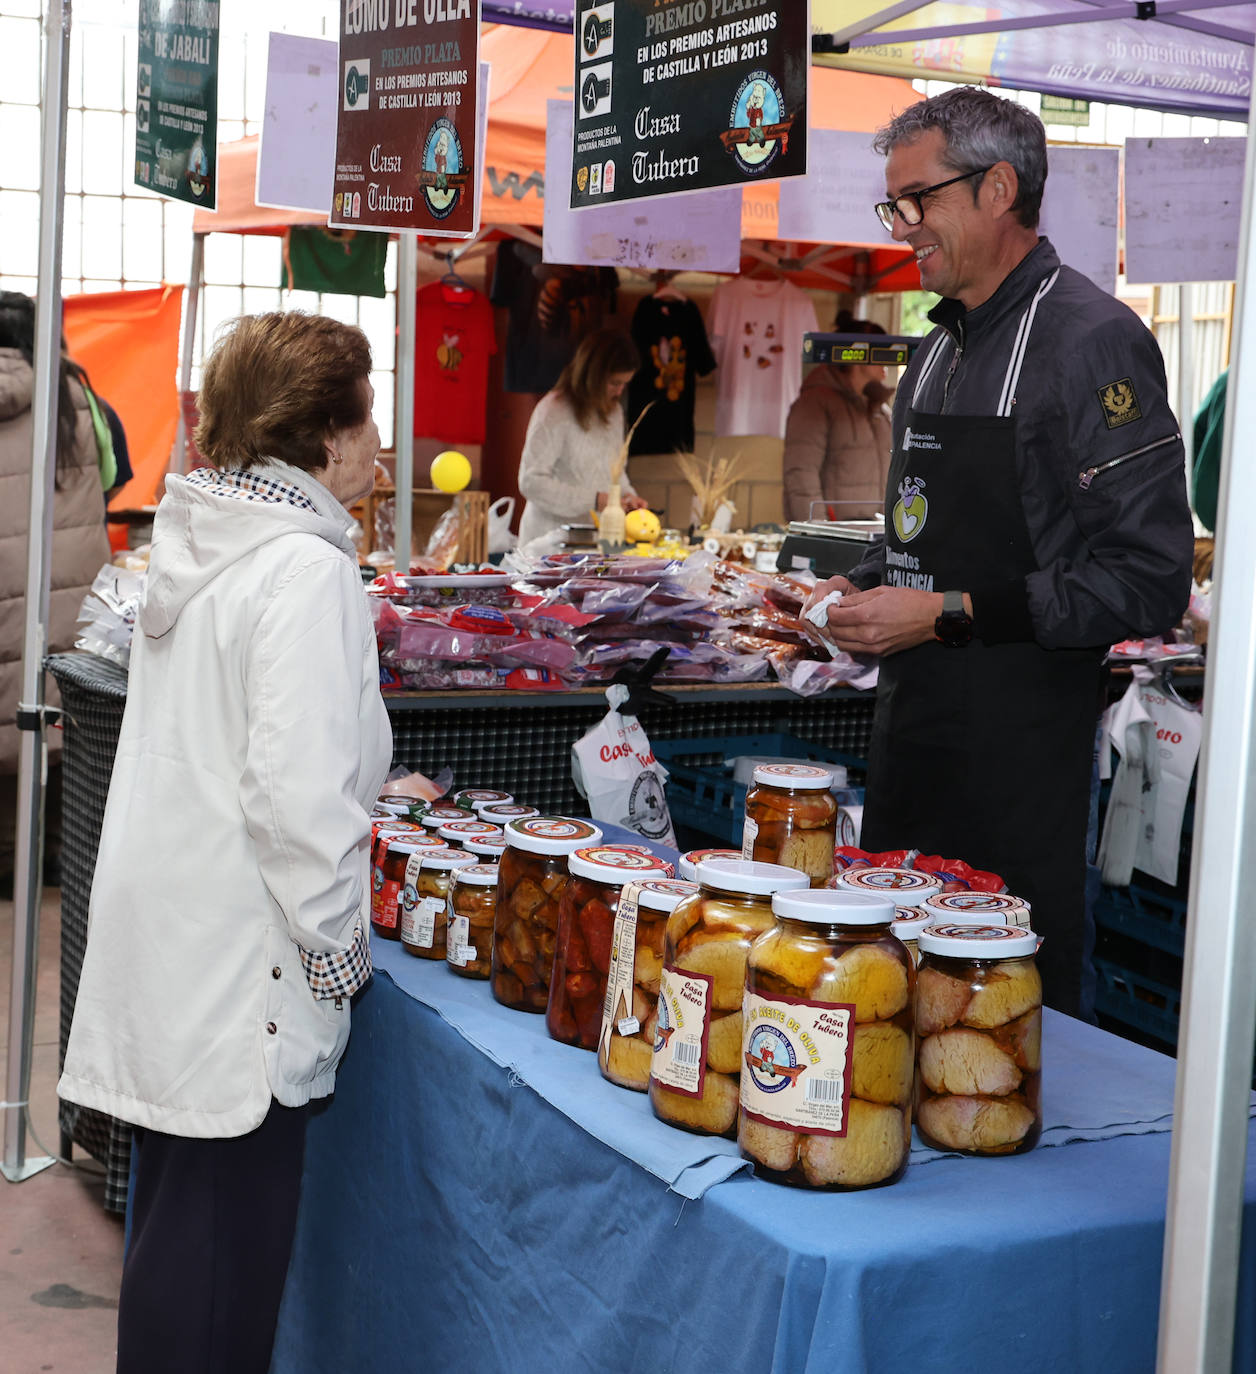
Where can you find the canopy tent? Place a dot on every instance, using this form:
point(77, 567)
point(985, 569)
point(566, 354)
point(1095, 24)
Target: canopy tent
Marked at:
point(1183, 55)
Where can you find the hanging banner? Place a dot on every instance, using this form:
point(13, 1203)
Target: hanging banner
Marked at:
point(176, 100)
point(297, 152)
point(1081, 209)
point(407, 120)
point(674, 97)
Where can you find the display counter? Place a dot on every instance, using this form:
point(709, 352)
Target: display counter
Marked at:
point(453, 1205)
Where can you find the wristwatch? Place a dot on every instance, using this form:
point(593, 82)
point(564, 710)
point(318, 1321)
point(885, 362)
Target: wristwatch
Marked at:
point(954, 627)
point(596, 32)
point(593, 90)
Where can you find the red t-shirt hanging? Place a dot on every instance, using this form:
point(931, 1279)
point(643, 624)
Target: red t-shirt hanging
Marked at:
point(453, 341)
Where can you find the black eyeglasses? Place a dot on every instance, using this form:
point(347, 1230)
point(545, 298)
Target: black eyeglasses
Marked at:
point(909, 206)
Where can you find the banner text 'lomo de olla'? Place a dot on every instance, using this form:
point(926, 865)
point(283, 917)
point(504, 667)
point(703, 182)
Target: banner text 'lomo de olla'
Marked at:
point(407, 116)
point(685, 95)
point(176, 100)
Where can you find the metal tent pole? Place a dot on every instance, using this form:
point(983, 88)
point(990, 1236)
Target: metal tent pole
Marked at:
point(1199, 1278)
point(407, 284)
point(30, 781)
point(191, 304)
point(1186, 370)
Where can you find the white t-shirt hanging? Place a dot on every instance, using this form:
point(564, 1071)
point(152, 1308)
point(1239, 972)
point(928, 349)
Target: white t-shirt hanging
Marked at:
point(756, 330)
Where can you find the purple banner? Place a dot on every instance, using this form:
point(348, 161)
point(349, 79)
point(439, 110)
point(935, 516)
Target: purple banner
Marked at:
point(533, 16)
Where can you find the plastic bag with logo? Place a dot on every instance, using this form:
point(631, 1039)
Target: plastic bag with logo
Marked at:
point(614, 767)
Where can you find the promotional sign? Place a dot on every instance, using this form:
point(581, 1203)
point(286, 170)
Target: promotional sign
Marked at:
point(701, 233)
point(176, 100)
point(674, 97)
point(1081, 209)
point(297, 153)
point(834, 202)
point(407, 154)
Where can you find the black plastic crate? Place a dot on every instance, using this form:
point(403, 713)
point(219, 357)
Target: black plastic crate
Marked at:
point(1139, 1001)
point(1153, 915)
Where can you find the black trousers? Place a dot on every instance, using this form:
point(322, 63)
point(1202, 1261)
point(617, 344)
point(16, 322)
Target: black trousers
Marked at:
point(212, 1223)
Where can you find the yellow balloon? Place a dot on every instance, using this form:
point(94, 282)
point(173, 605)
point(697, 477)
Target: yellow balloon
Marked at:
point(450, 471)
point(642, 526)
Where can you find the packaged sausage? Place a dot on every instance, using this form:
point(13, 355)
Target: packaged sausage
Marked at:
point(586, 926)
point(533, 874)
point(424, 901)
point(979, 1039)
point(791, 819)
point(903, 886)
point(630, 1011)
point(393, 850)
point(688, 865)
point(697, 1040)
point(459, 832)
point(498, 813)
point(969, 908)
point(472, 902)
point(827, 1044)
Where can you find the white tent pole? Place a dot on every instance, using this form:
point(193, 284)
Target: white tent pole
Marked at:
point(407, 285)
point(191, 304)
point(1208, 1163)
point(1186, 370)
point(30, 781)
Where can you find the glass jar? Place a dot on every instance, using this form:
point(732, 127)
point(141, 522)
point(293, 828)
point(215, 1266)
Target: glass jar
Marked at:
point(424, 905)
point(475, 797)
point(630, 1012)
point(586, 927)
point(394, 826)
point(382, 838)
point(498, 813)
point(697, 1042)
point(525, 924)
point(791, 819)
point(903, 886)
point(472, 901)
point(687, 867)
point(388, 880)
point(907, 925)
point(826, 1085)
point(979, 908)
point(392, 807)
point(486, 848)
point(442, 814)
point(459, 832)
point(979, 1039)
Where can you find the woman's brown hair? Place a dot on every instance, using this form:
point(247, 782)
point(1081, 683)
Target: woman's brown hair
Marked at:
point(278, 386)
point(585, 379)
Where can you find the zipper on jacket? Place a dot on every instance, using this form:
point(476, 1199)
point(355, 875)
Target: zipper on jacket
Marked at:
point(950, 371)
point(1084, 479)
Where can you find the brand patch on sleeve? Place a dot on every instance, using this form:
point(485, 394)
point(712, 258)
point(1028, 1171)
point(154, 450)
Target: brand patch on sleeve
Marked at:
point(1120, 404)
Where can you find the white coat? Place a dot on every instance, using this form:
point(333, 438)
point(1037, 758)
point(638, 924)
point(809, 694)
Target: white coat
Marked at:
point(253, 744)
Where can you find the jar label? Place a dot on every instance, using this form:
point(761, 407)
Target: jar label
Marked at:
point(680, 1042)
point(389, 893)
point(456, 943)
point(748, 836)
point(796, 1063)
point(418, 922)
point(619, 982)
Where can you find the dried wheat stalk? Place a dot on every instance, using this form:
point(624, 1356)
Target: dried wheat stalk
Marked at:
point(620, 460)
point(711, 481)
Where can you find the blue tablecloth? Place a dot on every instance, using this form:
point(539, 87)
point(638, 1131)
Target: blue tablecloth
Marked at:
point(454, 1220)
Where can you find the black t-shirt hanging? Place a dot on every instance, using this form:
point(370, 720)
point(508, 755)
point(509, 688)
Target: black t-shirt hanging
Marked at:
point(551, 309)
point(672, 341)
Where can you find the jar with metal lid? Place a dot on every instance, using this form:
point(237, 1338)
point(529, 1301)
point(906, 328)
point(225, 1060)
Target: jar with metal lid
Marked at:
point(382, 837)
point(475, 797)
point(424, 904)
point(697, 1041)
point(630, 1011)
point(979, 1039)
point(791, 819)
point(903, 886)
point(501, 812)
point(977, 908)
point(391, 807)
point(472, 902)
point(826, 1085)
point(487, 848)
point(525, 924)
point(586, 927)
point(459, 832)
point(908, 922)
point(687, 867)
point(394, 826)
point(388, 879)
point(442, 814)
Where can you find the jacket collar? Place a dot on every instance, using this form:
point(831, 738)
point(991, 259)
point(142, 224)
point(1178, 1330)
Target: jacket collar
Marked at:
point(1013, 294)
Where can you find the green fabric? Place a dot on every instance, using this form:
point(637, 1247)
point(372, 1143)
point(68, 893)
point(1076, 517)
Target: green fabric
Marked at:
point(104, 444)
point(1209, 428)
point(347, 262)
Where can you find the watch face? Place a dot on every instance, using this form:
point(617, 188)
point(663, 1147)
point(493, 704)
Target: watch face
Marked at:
point(953, 628)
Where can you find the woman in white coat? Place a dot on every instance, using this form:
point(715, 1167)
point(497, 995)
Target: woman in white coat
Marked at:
point(230, 905)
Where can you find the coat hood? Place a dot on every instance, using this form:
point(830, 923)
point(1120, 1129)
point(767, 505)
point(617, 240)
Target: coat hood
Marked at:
point(17, 383)
point(205, 524)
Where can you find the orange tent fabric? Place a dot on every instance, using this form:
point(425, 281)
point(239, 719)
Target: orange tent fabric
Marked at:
point(129, 343)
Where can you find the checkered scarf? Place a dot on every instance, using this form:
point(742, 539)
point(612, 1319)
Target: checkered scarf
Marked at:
point(342, 974)
point(250, 485)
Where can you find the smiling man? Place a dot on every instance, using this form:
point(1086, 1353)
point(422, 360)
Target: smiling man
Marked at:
point(1036, 513)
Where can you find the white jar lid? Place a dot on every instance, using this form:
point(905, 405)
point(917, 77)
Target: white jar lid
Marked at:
point(478, 875)
point(436, 816)
point(471, 796)
point(501, 812)
point(464, 830)
point(398, 828)
point(903, 886)
point(748, 877)
point(444, 859)
point(664, 894)
point(689, 862)
point(833, 906)
point(551, 834)
point(613, 864)
point(415, 844)
point(908, 924)
point(954, 941)
point(490, 845)
point(393, 808)
point(978, 907)
point(796, 776)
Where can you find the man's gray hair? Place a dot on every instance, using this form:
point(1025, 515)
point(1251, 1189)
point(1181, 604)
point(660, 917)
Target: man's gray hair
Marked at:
point(980, 129)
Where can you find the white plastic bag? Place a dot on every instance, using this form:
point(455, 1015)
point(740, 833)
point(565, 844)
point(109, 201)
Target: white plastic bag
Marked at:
point(614, 768)
point(500, 514)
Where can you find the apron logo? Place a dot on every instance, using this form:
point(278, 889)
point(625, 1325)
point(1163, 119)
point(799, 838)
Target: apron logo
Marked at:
point(911, 510)
point(1120, 404)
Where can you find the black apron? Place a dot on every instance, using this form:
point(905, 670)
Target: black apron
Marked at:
point(982, 753)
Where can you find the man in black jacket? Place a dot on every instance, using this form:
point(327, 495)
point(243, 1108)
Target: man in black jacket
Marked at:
point(1036, 513)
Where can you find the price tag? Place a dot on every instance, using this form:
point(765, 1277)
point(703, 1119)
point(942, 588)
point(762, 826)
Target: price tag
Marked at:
point(627, 1025)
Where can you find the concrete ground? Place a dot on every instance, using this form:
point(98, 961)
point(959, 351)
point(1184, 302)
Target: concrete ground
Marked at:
point(60, 1251)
